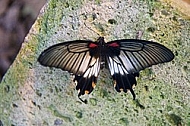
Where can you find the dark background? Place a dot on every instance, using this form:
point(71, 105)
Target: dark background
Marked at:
point(16, 19)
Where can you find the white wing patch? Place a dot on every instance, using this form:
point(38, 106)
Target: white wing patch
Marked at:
point(93, 69)
point(123, 80)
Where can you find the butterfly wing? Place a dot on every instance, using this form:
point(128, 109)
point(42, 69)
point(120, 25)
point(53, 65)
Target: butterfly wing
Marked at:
point(79, 57)
point(87, 82)
point(73, 56)
point(127, 57)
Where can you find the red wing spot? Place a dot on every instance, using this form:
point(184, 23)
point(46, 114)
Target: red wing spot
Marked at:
point(114, 44)
point(92, 45)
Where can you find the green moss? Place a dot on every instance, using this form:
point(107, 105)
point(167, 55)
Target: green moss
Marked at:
point(103, 93)
point(78, 114)
point(174, 119)
point(99, 28)
point(56, 113)
point(124, 121)
point(151, 29)
point(97, 1)
point(16, 77)
point(93, 101)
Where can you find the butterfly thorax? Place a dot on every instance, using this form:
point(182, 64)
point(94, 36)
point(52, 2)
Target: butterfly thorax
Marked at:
point(103, 50)
point(107, 49)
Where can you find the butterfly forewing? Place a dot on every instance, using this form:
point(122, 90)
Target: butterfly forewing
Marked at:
point(71, 56)
point(136, 55)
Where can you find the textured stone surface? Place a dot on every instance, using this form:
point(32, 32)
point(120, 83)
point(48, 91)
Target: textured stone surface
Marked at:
point(35, 95)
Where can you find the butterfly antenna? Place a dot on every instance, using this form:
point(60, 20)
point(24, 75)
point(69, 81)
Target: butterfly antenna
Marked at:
point(91, 29)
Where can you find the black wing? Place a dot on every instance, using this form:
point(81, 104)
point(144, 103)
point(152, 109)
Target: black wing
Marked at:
point(73, 56)
point(128, 57)
point(87, 82)
point(79, 57)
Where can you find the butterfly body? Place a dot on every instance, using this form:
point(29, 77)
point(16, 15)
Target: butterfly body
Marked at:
point(124, 59)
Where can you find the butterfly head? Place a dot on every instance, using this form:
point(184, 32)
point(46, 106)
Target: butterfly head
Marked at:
point(101, 41)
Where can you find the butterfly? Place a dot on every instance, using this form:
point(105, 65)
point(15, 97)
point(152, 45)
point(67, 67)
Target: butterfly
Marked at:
point(124, 58)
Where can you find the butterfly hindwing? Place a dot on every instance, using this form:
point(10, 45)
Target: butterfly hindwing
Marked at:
point(123, 81)
point(87, 82)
